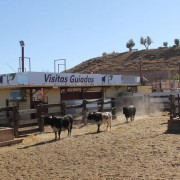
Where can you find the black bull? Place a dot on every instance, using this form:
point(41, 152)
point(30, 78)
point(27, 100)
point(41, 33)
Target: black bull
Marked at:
point(59, 123)
point(129, 112)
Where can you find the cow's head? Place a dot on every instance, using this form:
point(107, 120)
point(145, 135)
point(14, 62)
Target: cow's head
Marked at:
point(91, 116)
point(47, 120)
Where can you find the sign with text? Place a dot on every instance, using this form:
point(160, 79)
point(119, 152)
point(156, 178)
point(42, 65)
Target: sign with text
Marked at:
point(61, 79)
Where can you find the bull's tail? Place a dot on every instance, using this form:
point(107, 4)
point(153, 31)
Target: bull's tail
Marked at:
point(71, 124)
point(110, 121)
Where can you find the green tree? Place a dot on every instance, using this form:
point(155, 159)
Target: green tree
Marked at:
point(130, 44)
point(146, 41)
point(165, 44)
point(104, 54)
point(176, 42)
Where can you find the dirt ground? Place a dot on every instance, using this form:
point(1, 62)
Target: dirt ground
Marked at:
point(136, 150)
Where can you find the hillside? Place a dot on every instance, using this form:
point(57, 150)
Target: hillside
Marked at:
point(155, 63)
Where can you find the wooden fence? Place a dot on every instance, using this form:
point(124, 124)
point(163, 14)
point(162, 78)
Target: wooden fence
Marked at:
point(13, 117)
point(10, 117)
point(82, 106)
point(7, 115)
point(17, 119)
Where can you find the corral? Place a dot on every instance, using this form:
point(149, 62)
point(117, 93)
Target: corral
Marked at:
point(27, 97)
point(128, 151)
point(141, 149)
point(24, 94)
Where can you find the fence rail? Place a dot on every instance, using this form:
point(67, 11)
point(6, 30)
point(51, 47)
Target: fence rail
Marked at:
point(14, 117)
point(18, 120)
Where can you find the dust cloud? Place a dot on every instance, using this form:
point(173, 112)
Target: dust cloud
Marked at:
point(143, 109)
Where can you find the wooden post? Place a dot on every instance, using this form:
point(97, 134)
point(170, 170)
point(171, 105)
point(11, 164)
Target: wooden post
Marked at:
point(16, 121)
point(84, 111)
point(172, 105)
point(40, 112)
point(147, 104)
point(7, 105)
point(63, 108)
point(178, 106)
point(31, 102)
point(101, 107)
point(113, 107)
point(170, 123)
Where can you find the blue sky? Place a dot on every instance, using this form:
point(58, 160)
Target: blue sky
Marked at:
point(78, 30)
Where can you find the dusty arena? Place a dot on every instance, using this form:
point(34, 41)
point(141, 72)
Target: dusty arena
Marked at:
point(141, 149)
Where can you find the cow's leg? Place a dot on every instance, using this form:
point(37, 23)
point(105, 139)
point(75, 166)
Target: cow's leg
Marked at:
point(71, 125)
point(69, 131)
point(110, 125)
point(107, 125)
point(55, 134)
point(98, 130)
point(59, 133)
point(126, 120)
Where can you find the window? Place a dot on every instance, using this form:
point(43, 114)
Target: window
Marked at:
point(17, 94)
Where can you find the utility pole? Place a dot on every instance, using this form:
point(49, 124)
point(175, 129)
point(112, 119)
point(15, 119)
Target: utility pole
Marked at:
point(140, 69)
point(22, 50)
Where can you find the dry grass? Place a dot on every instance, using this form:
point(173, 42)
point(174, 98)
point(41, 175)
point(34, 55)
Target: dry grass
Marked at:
point(137, 150)
point(163, 61)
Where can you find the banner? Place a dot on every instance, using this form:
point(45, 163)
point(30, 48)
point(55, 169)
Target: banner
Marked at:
point(62, 79)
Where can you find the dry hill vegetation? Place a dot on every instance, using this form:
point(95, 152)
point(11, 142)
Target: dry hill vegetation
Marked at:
point(159, 62)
